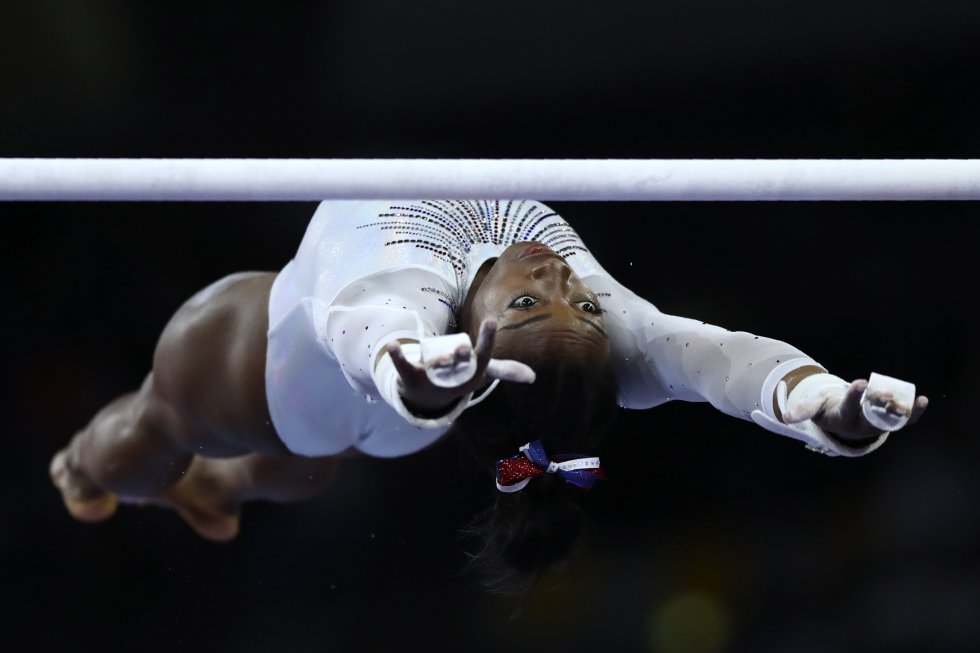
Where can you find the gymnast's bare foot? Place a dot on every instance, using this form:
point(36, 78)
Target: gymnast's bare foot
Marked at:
point(201, 499)
point(195, 498)
point(84, 501)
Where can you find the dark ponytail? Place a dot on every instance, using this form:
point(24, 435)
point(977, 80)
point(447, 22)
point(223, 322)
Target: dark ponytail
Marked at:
point(523, 534)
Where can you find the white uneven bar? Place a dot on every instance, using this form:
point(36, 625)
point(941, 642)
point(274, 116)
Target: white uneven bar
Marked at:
point(540, 179)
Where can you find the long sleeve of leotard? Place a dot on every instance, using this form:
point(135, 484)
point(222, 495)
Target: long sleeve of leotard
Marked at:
point(374, 311)
point(661, 357)
point(323, 392)
point(400, 304)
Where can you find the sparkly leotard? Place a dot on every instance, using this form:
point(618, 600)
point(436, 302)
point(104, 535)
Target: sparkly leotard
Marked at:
point(367, 273)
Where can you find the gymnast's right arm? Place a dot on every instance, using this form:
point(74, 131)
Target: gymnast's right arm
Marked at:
point(661, 357)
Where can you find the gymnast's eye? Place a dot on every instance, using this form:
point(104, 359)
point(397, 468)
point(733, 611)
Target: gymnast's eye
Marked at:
point(524, 301)
point(590, 307)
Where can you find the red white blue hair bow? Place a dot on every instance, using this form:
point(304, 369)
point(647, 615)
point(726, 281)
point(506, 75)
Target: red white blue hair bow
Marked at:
point(514, 473)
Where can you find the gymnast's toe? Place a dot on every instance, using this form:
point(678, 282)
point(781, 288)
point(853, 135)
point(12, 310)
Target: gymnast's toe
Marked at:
point(84, 501)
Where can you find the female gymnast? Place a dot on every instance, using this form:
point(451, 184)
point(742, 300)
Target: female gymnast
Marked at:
point(261, 383)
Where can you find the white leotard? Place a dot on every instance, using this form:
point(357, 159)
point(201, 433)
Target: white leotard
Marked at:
point(369, 272)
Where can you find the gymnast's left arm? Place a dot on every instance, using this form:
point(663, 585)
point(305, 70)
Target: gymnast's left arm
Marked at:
point(660, 357)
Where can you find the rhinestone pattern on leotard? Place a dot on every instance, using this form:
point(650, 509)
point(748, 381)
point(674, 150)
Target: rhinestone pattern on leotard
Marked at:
point(449, 228)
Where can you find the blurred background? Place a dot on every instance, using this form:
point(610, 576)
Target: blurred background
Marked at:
point(712, 535)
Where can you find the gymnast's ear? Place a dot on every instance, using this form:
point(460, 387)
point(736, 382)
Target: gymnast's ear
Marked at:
point(468, 322)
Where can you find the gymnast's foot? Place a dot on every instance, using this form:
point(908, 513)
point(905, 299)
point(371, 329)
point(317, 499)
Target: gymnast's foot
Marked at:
point(83, 499)
point(201, 500)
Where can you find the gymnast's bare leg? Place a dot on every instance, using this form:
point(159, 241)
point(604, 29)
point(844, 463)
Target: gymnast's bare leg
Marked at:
point(197, 436)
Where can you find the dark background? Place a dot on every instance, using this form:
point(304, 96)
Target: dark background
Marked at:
point(712, 535)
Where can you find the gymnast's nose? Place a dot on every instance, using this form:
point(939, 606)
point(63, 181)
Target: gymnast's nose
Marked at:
point(551, 269)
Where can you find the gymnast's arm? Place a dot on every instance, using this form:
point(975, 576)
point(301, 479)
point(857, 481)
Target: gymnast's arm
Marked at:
point(375, 327)
point(660, 357)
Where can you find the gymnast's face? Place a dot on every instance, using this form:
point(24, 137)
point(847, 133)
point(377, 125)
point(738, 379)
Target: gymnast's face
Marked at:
point(539, 303)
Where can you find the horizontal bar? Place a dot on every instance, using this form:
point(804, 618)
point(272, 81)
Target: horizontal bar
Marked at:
point(295, 180)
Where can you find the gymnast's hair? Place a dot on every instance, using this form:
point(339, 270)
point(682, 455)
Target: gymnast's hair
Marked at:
point(569, 408)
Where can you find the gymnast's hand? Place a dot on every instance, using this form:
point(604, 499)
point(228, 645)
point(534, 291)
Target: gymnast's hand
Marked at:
point(422, 396)
point(838, 410)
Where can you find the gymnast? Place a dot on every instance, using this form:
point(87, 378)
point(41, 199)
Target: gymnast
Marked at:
point(400, 323)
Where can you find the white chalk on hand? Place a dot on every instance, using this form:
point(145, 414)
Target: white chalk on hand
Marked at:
point(441, 365)
point(902, 393)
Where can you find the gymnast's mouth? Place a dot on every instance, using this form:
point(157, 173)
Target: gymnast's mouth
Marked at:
point(536, 248)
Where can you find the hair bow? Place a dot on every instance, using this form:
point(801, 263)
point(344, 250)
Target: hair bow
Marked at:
point(514, 473)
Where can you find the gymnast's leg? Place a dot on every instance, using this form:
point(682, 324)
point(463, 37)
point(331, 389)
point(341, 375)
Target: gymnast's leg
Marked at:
point(127, 448)
point(205, 398)
point(210, 495)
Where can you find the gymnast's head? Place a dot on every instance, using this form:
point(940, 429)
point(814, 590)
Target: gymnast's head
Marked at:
point(549, 319)
point(541, 306)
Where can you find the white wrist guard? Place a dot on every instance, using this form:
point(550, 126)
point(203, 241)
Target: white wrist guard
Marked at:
point(438, 356)
point(902, 392)
point(810, 394)
point(777, 374)
point(814, 388)
point(387, 381)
